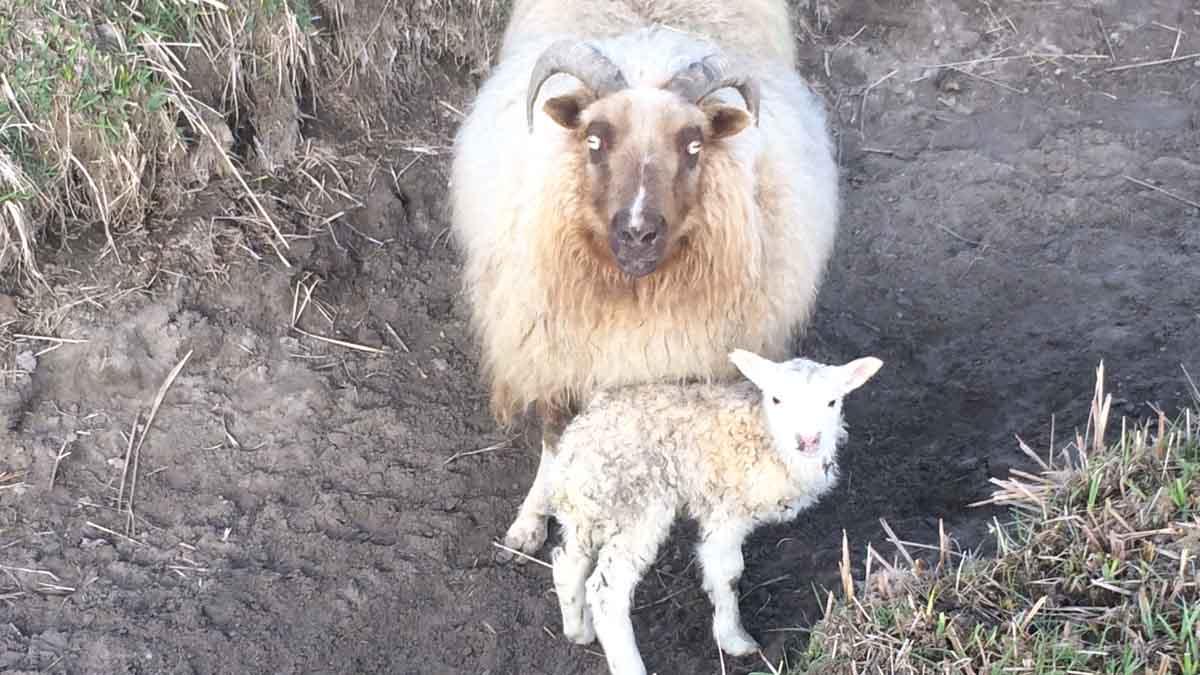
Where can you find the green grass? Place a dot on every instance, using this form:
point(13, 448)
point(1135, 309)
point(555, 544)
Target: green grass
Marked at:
point(59, 62)
point(1095, 572)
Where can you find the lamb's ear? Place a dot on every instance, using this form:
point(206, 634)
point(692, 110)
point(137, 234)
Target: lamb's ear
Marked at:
point(754, 367)
point(858, 371)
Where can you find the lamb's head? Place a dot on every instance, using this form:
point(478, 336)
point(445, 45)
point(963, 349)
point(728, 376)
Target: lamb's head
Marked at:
point(643, 149)
point(802, 399)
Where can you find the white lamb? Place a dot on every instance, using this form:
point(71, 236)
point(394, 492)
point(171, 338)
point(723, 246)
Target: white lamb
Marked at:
point(733, 456)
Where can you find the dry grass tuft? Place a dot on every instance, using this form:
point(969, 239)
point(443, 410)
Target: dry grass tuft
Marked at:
point(17, 232)
point(466, 31)
point(1096, 573)
point(379, 37)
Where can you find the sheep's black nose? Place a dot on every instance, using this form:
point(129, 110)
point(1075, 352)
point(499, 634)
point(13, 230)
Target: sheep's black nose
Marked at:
point(638, 240)
point(640, 231)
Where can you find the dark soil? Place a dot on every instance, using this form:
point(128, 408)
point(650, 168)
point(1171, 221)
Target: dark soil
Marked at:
point(301, 506)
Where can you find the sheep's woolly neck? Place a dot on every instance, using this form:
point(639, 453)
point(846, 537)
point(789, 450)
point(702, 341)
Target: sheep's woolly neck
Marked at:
point(673, 322)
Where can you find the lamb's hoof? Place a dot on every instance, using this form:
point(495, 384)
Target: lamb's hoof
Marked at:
point(737, 642)
point(526, 535)
point(583, 634)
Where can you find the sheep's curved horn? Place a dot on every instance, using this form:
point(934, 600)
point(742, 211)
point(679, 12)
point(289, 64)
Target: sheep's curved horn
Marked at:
point(700, 78)
point(580, 60)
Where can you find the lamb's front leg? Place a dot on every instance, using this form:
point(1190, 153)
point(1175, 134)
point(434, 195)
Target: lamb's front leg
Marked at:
point(720, 555)
point(528, 530)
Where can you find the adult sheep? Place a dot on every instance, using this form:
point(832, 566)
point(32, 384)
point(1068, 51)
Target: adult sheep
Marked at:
point(636, 192)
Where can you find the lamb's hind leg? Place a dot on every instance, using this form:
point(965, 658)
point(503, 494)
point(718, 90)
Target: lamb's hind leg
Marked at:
point(721, 560)
point(572, 564)
point(620, 565)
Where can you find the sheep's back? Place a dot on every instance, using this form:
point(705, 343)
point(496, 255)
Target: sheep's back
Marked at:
point(759, 28)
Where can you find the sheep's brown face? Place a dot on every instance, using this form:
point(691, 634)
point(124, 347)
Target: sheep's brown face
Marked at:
point(644, 152)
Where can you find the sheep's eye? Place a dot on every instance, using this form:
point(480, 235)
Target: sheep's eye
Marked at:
point(693, 147)
point(833, 403)
point(593, 142)
point(775, 400)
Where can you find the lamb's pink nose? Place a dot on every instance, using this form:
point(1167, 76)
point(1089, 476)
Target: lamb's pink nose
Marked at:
point(810, 441)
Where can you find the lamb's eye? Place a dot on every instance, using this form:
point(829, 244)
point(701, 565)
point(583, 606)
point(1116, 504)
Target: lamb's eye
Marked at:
point(775, 400)
point(833, 403)
point(693, 147)
point(593, 142)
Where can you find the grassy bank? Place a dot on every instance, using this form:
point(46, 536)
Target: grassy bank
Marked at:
point(1095, 573)
point(115, 114)
point(105, 106)
point(112, 108)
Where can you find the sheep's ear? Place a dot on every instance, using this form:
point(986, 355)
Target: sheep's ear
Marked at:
point(754, 367)
point(564, 110)
point(856, 373)
point(726, 120)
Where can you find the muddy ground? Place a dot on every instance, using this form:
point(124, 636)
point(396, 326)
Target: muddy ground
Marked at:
point(307, 507)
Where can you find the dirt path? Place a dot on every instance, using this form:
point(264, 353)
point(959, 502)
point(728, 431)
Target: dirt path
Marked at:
point(299, 506)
